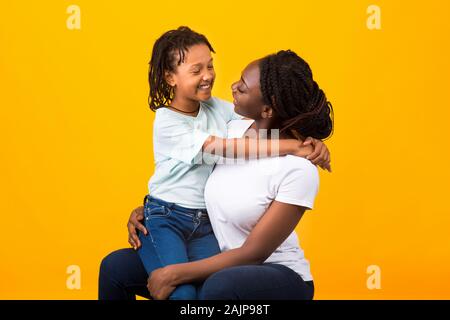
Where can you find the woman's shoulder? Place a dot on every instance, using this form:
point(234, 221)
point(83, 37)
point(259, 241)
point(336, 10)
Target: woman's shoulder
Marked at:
point(292, 163)
point(296, 182)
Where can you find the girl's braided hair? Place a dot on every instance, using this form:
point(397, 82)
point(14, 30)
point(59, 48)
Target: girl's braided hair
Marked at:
point(169, 52)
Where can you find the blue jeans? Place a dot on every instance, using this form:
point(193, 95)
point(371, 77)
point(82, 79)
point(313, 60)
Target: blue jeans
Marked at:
point(123, 276)
point(267, 281)
point(175, 235)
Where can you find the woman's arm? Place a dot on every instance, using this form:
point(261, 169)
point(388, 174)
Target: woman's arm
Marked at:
point(275, 226)
point(134, 225)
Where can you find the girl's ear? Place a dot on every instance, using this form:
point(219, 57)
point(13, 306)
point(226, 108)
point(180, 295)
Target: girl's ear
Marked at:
point(169, 78)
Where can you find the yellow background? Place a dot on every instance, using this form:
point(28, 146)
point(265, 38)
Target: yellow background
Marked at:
point(76, 134)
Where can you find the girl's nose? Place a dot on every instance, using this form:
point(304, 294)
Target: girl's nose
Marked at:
point(234, 86)
point(209, 75)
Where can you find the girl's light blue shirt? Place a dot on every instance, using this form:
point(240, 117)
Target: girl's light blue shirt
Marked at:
point(181, 168)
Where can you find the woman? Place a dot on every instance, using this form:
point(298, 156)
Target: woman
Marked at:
point(255, 214)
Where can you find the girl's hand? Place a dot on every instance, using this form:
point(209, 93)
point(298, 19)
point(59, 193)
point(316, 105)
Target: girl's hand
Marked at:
point(134, 224)
point(161, 283)
point(303, 151)
point(321, 155)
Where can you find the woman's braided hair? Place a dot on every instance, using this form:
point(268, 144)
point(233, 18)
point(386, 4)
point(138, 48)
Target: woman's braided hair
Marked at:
point(287, 85)
point(168, 53)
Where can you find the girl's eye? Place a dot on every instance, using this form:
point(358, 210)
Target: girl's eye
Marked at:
point(196, 71)
point(240, 90)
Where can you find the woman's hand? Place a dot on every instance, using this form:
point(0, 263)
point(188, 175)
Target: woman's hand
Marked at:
point(134, 224)
point(321, 155)
point(161, 282)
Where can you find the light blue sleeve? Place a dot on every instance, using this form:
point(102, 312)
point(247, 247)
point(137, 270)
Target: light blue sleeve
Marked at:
point(177, 139)
point(227, 108)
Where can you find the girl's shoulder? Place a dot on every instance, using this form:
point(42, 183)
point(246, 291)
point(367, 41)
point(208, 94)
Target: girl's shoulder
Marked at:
point(166, 119)
point(218, 105)
point(215, 101)
point(165, 114)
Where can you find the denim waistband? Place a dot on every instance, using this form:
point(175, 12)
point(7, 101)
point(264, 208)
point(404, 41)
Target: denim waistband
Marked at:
point(174, 206)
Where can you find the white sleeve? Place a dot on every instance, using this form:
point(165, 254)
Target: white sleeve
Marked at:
point(178, 140)
point(299, 186)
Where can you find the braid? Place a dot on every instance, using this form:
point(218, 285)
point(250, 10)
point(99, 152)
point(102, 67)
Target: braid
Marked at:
point(171, 45)
point(287, 85)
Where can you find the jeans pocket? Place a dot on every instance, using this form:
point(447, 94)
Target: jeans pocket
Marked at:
point(152, 210)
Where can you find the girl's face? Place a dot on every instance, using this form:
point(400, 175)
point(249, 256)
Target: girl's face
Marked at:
point(194, 78)
point(248, 100)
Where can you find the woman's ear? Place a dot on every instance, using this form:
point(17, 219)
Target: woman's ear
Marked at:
point(267, 112)
point(272, 99)
point(168, 76)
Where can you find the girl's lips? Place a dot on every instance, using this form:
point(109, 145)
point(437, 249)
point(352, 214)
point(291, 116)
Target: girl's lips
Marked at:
point(205, 86)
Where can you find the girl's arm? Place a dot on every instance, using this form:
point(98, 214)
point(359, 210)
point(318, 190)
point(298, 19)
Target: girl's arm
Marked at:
point(251, 148)
point(275, 226)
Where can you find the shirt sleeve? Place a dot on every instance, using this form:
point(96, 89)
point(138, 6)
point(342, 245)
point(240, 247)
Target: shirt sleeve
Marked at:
point(228, 109)
point(299, 186)
point(178, 139)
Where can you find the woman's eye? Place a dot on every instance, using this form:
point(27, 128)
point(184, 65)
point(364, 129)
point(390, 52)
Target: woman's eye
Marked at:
point(196, 71)
point(210, 67)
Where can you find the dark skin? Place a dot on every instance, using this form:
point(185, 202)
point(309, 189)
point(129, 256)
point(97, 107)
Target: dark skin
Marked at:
point(278, 222)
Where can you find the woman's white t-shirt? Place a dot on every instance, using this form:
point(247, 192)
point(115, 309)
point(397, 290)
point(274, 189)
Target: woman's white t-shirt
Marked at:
point(238, 195)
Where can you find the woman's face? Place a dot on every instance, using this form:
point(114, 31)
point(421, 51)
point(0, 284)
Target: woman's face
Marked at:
point(248, 100)
point(194, 77)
